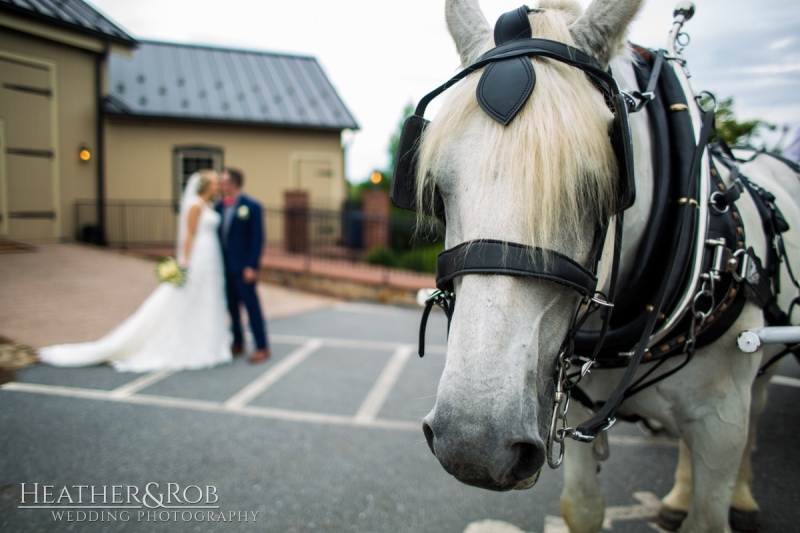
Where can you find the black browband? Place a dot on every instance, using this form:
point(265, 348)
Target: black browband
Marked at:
point(558, 51)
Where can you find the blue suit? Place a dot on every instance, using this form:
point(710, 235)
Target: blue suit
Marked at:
point(241, 248)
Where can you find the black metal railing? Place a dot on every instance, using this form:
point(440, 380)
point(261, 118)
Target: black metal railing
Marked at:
point(129, 223)
point(346, 235)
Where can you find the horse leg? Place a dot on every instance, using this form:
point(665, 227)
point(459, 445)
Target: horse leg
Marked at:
point(582, 504)
point(716, 436)
point(675, 505)
point(744, 509)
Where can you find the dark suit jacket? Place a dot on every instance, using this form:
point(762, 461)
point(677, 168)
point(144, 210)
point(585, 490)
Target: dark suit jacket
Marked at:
point(245, 238)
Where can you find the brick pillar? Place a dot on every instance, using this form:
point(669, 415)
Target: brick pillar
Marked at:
point(376, 219)
point(295, 224)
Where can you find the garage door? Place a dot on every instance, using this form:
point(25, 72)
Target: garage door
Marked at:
point(27, 196)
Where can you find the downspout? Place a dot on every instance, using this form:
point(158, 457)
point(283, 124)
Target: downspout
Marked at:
point(100, 237)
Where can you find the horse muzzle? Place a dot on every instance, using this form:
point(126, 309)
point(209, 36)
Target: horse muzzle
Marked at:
point(486, 459)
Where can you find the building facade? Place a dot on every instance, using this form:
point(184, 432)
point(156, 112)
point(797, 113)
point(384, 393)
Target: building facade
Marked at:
point(52, 67)
point(90, 115)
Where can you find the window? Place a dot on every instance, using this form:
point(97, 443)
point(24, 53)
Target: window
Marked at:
point(188, 160)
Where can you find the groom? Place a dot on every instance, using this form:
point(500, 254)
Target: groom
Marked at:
point(242, 236)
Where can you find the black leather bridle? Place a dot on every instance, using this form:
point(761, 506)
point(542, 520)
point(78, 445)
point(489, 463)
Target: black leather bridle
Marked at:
point(506, 83)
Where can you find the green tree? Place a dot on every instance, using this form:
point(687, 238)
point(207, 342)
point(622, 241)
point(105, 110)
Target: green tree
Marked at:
point(733, 131)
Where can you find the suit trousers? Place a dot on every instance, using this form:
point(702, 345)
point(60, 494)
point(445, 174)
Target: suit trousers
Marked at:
point(240, 293)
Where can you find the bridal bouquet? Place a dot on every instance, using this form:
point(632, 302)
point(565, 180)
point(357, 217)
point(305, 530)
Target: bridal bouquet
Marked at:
point(169, 271)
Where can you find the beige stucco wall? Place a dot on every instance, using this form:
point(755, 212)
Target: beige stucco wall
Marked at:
point(139, 153)
point(139, 159)
point(72, 71)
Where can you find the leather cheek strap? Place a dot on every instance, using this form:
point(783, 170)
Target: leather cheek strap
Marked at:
point(486, 256)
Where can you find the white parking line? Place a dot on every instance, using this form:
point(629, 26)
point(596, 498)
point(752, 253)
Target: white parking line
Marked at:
point(648, 507)
point(57, 390)
point(211, 407)
point(271, 376)
point(376, 397)
point(365, 417)
point(786, 381)
point(141, 383)
point(265, 412)
point(354, 343)
point(373, 309)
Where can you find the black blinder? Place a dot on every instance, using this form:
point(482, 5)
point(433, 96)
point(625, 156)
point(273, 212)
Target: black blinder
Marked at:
point(621, 144)
point(404, 179)
point(403, 191)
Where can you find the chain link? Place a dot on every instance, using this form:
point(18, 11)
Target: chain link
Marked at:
point(558, 421)
point(706, 291)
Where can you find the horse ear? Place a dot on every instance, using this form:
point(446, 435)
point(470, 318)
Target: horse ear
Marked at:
point(469, 28)
point(601, 30)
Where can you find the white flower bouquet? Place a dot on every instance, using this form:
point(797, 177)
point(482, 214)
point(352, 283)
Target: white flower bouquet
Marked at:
point(169, 271)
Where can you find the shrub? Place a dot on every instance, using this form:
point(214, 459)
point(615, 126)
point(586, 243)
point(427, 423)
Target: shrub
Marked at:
point(417, 260)
point(382, 256)
point(421, 259)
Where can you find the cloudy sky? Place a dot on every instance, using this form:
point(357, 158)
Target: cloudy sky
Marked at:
point(381, 55)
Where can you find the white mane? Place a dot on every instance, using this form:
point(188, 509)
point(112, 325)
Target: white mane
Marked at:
point(556, 149)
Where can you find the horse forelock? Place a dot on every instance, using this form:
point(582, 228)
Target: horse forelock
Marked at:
point(555, 155)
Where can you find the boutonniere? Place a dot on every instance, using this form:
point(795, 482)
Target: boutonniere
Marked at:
point(243, 212)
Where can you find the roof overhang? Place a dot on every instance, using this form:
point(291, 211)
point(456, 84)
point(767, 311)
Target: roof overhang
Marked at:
point(113, 113)
point(96, 43)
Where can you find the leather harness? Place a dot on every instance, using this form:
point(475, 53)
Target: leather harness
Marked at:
point(732, 272)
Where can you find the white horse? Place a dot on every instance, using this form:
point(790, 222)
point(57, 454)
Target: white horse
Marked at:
point(523, 183)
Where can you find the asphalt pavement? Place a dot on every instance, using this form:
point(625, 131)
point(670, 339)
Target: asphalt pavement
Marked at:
point(326, 436)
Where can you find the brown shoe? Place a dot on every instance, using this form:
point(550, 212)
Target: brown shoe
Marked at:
point(259, 356)
point(237, 349)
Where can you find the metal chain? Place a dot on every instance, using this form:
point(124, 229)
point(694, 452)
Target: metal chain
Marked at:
point(558, 421)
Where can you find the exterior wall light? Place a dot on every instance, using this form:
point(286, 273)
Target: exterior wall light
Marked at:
point(84, 154)
point(376, 177)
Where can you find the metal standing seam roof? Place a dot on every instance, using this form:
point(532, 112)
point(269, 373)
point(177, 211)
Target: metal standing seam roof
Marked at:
point(73, 14)
point(206, 83)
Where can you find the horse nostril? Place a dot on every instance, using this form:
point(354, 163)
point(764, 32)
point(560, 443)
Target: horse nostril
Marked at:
point(530, 459)
point(428, 431)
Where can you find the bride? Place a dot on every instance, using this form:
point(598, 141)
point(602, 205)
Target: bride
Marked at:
point(176, 327)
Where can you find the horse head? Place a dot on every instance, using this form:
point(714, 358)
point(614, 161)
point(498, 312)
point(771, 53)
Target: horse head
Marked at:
point(548, 179)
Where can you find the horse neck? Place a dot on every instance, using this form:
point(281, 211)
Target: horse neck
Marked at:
point(636, 217)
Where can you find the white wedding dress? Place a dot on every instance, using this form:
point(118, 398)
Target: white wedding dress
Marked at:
point(178, 328)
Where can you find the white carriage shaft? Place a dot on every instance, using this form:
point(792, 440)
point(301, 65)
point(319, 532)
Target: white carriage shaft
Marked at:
point(750, 341)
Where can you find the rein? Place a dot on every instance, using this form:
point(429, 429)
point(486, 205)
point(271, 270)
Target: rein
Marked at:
point(605, 416)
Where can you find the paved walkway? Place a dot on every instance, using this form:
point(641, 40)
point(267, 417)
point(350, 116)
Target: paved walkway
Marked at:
point(337, 277)
point(58, 293)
